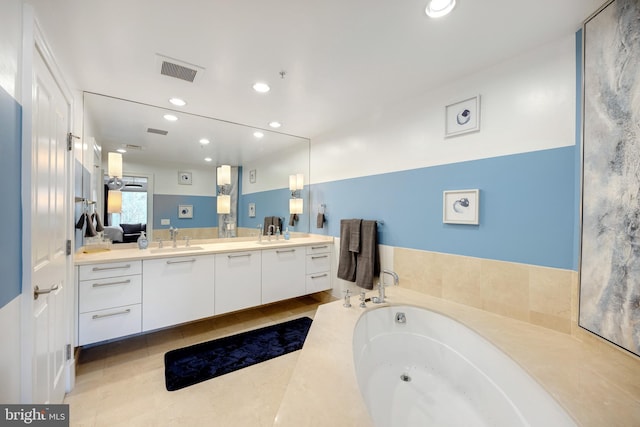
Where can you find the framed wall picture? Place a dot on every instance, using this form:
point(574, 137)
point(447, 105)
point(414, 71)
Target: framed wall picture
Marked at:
point(462, 117)
point(185, 211)
point(185, 178)
point(461, 206)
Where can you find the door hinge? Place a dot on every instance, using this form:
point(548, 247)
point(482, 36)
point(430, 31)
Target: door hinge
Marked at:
point(70, 137)
point(68, 247)
point(68, 351)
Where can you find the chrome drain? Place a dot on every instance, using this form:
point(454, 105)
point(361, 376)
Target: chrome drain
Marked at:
point(406, 378)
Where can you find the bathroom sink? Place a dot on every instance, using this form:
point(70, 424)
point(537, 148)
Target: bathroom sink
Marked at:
point(173, 250)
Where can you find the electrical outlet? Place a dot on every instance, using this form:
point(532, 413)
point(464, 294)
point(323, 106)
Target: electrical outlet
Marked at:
point(252, 210)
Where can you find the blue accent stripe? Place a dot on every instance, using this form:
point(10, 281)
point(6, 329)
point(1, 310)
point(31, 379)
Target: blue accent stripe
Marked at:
point(271, 203)
point(165, 206)
point(578, 153)
point(11, 212)
point(526, 207)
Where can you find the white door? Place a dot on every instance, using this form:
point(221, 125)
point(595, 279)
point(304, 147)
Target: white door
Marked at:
point(49, 231)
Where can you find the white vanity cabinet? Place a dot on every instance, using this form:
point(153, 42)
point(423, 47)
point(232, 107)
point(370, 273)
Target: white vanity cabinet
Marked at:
point(109, 301)
point(177, 290)
point(237, 281)
point(283, 273)
point(318, 268)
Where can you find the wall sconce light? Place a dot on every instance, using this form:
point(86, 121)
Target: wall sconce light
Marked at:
point(114, 201)
point(295, 206)
point(114, 170)
point(296, 185)
point(223, 176)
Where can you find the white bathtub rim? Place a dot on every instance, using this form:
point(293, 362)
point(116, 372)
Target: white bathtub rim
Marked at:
point(516, 398)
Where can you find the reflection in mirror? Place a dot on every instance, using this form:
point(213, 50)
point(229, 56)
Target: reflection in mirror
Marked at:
point(175, 163)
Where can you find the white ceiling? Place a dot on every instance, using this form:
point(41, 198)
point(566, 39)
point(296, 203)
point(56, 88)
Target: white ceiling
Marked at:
point(343, 58)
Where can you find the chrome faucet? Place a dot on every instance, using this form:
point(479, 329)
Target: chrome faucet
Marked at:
point(270, 231)
point(173, 232)
point(259, 227)
point(381, 285)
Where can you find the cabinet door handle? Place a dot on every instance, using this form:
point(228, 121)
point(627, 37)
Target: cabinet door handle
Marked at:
point(319, 256)
point(319, 247)
point(238, 256)
point(116, 267)
point(285, 251)
point(319, 276)
point(182, 261)
point(100, 316)
point(121, 282)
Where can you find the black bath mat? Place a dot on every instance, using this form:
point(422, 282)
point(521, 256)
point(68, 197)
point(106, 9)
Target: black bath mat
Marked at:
point(190, 365)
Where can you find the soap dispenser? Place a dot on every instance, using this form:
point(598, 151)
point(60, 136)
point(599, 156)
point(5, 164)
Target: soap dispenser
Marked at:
point(143, 242)
point(286, 233)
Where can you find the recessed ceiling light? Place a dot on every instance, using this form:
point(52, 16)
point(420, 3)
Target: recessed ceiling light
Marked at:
point(275, 124)
point(204, 141)
point(170, 117)
point(208, 159)
point(261, 87)
point(178, 102)
point(121, 150)
point(439, 8)
point(258, 134)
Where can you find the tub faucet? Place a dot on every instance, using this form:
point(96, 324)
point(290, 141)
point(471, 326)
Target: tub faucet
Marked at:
point(381, 285)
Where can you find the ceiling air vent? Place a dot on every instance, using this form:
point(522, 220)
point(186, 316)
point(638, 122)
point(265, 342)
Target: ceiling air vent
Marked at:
point(158, 131)
point(178, 69)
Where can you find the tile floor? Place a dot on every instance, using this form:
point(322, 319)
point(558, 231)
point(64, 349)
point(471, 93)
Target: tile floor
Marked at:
point(122, 383)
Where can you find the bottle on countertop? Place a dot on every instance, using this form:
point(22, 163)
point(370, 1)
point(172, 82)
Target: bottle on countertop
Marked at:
point(286, 233)
point(143, 242)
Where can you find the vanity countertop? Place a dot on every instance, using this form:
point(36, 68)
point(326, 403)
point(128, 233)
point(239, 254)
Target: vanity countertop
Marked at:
point(596, 383)
point(130, 252)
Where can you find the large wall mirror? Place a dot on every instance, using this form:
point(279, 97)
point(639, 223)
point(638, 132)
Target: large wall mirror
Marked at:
point(174, 163)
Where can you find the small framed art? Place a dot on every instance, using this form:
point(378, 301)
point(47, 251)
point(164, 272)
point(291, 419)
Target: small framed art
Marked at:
point(462, 117)
point(461, 206)
point(185, 178)
point(185, 211)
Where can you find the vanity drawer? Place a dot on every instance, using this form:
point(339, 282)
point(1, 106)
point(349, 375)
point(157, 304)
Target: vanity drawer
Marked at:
point(319, 248)
point(108, 324)
point(110, 269)
point(318, 282)
point(318, 262)
point(109, 292)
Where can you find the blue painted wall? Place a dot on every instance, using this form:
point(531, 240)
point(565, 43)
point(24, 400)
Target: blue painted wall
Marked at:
point(11, 213)
point(526, 207)
point(166, 206)
point(271, 203)
point(578, 156)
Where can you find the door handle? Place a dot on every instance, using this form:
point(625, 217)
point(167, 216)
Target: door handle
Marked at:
point(37, 292)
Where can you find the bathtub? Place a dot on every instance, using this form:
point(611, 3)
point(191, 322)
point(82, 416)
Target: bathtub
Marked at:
point(416, 367)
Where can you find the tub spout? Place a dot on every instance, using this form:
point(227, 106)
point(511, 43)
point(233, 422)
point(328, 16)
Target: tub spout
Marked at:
point(381, 285)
